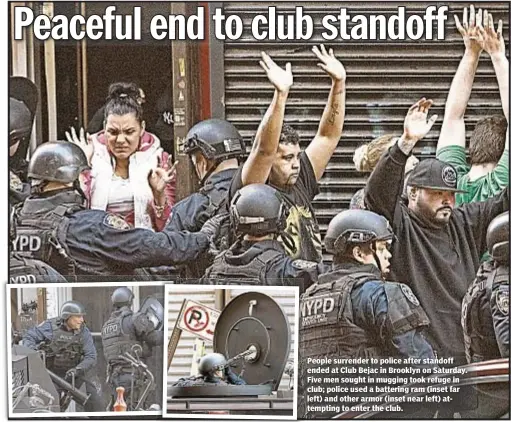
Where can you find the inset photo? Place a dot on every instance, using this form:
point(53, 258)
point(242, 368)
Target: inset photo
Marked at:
point(85, 350)
point(231, 352)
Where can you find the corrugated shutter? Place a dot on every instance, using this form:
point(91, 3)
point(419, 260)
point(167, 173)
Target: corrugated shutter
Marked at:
point(182, 360)
point(384, 79)
point(286, 300)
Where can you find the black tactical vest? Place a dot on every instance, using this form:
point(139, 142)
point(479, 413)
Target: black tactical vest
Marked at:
point(23, 270)
point(42, 236)
point(225, 271)
point(327, 323)
point(115, 341)
point(476, 319)
point(217, 199)
point(65, 349)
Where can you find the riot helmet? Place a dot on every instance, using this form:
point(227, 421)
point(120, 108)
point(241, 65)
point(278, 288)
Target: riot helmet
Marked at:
point(211, 363)
point(356, 227)
point(122, 297)
point(22, 108)
point(57, 161)
point(216, 139)
point(258, 210)
point(71, 308)
point(497, 238)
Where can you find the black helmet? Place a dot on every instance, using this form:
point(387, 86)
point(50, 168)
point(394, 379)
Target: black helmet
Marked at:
point(211, 362)
point(258, 210)
point(356, 227)
point(58, 161)
point(217, 140)
point(71, 308)
point(497, 238)
point(22, 108)
point(122, 297)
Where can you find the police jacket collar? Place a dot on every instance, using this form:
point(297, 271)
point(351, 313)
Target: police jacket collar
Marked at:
point(243, 252)
point(45, 204)
point(347, 268)
point(221, 177)
point(125, 310)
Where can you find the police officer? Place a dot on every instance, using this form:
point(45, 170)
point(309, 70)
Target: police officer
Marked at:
point(351, 312)
point(258, 216)
point(22, 108)
point(380, 318)
point(53, 226)
point(214, 147)
point(130, 333)
point(70, 350)
point(23, 270)
point(485, 310)
point(213, 369)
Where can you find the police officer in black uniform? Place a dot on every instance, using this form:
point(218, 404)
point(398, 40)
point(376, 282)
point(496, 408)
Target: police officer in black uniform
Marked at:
point(351, 312)
point(53, 225)
point(485, 310)
point(214, 146)
point(213, 369)
point(131, 333)
point(70, 351)
point(22, 108)
point(258, 216)
point(24, 270)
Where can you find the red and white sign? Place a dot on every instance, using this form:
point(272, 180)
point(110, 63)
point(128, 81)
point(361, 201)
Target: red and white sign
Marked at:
point(198, 319)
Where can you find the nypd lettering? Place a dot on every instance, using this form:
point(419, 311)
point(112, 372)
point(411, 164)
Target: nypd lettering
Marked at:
point(27, 243)
point(23, 279)
point(319, 310)
point(110, 329)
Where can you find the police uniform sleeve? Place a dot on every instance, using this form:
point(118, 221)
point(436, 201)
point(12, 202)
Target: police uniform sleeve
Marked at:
point(97, 239)
point(89, 351)
point(183, 216)
point(144, 329)
point(296, 272)
point(36, 335)
point(405, 321)
point(499, 304)
point(232, 378)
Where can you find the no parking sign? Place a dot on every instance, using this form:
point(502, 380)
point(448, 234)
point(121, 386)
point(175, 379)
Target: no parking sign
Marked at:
point(198, 319)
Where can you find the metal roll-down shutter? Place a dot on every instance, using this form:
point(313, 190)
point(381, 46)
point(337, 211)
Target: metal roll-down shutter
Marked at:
point(383, 79)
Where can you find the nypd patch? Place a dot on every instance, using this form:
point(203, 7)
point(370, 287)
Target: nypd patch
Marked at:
point(116, 222)
point(409, 294)
point(301, 264)
point(503, 301)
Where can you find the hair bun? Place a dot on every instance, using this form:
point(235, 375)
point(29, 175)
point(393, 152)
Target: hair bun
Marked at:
point(123, 90)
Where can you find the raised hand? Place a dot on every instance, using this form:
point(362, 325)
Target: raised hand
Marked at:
point(417, 125)
point(490, 40)
point(160, 177)
point(281, 79)
point(84, 142)
point(472, 23)
point(329, 63)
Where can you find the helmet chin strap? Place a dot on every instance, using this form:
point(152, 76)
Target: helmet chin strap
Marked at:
point(78, 188)
point(378, 263)
point(209, 172)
